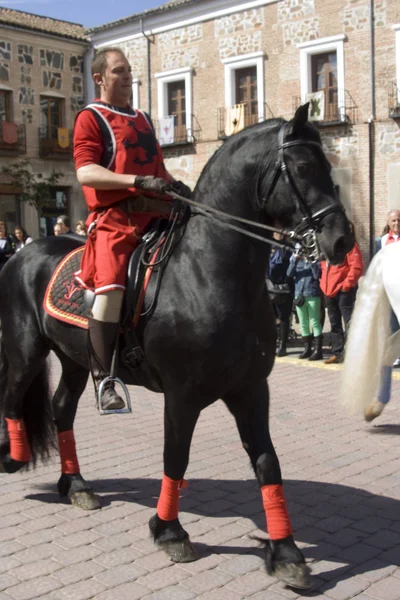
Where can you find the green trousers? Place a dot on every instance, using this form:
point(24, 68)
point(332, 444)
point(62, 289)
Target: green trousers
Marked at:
point(309, 314)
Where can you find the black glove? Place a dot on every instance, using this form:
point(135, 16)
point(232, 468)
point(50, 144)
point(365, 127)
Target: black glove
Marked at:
point(152, 184)
point(182, 189)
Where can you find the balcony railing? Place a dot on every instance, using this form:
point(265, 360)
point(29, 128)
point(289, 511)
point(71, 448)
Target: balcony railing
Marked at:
point(341, 111)
point(178, 134)
point(12, 139)
point(394, 100)
point(232, 119)
point(55, 142)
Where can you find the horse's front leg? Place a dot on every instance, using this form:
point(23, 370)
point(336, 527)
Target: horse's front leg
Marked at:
point(65, 402)
point(180, 419)
point(283, 559)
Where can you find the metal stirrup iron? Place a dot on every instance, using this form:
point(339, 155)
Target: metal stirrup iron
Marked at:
point(111, 411)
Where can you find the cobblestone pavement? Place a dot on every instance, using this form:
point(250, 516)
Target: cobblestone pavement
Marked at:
point(342, 481)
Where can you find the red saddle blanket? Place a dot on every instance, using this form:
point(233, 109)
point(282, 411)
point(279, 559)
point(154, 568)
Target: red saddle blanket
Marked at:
point(65, 298)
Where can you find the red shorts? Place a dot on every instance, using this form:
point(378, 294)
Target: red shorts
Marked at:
point(110, 243)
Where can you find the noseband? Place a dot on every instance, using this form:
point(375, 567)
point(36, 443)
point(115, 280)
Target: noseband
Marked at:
point(306, 232)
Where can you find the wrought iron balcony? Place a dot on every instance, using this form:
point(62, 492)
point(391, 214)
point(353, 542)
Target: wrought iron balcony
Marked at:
point(55, 142)
point(170, 134)
point(12, 139)
point(342, 110)
point(393, 100)
point(232, 119)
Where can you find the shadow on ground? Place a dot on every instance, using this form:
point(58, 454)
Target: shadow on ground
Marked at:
point(340, 524)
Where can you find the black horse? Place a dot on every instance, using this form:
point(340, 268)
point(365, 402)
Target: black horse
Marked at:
point(212, 334)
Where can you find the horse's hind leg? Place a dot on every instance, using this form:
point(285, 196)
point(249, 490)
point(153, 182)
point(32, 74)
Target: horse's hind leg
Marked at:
point(65, 402)
point(283, 558)
point(180, 418)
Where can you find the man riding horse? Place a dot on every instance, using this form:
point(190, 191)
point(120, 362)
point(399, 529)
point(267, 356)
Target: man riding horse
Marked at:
point(117, 159)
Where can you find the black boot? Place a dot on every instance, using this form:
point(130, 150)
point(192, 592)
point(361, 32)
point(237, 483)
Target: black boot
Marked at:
point(283, 336)
point(307, 340)
point(101, 339)
point(317, 354)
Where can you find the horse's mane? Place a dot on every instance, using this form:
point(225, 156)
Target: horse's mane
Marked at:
point(234, 142)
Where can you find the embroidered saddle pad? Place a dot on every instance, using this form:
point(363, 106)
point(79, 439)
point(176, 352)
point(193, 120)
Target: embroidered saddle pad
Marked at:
point(65, 298)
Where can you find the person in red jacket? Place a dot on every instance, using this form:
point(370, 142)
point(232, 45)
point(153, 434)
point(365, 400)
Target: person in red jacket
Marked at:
point(339, 285)
point(117, 160)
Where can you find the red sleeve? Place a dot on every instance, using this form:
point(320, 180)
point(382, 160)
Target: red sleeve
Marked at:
point(356, 268)
point(88, 141)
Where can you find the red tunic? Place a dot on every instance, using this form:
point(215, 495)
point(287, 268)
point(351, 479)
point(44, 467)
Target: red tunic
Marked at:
point(123, 141)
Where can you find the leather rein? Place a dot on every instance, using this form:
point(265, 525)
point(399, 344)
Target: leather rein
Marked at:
point(304, 233)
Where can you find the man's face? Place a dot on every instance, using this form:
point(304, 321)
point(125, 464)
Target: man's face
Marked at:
point(116, 82)
point(57, 229)
point(63, 228)
point(394, 221)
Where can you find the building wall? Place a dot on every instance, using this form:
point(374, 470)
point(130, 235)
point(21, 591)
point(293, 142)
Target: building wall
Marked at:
point(280, 30)
point(32, 64)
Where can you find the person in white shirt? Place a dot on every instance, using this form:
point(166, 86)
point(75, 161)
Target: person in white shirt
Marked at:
point(394, 228)
point(22, 238)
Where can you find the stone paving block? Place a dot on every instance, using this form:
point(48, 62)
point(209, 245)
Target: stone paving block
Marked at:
point(119, 557)
point(90, 588)
point(76, 555)
point(386, 589)
point(374, 570)
point(344, 589)
point(240, 565)
point(221, 594)
point(34, 588)
point(8, 580)
point(78, 572)
point(203, 564)
point(164, 578)
point(122, 574)
point(36, 569)
point(76, 540)
point(40, 537)
point(35, 553)
point(200, 584)
point(114, 542)
point(251, 583)
point(127, 591)
point(154, 562)
point(174, 592)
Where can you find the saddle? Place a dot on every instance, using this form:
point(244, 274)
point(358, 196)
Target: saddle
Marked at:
point(67, 301)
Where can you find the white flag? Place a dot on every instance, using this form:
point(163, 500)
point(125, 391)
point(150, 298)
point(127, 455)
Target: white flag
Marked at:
point(166, 130)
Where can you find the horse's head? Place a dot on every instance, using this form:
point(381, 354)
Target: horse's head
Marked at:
point(297, 192)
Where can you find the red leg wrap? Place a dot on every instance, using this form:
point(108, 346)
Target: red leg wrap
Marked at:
point(19, 445)
point(69, 459)
point(278, 522)
point(167, 507)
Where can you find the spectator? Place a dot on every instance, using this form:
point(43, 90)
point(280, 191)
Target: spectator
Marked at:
point(65, 224)
point(57, 229)
point(80, 228)
point(339, 285)
point(278, 266)
point(6, 249)
point(22, 238)
point(307, 298)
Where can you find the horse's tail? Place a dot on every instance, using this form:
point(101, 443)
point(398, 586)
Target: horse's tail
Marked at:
point(37, 413)
point(367, 340)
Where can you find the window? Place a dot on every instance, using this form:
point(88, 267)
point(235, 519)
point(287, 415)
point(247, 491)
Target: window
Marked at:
point(51, 117)
point(175, 100)
point(246, 93)
point(177, 108)
point(324, 79)
point(322, 70)
point(244, 84)
point(5, 105)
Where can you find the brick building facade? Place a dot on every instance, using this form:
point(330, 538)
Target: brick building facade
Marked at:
point(41, 89)
point(211, 63)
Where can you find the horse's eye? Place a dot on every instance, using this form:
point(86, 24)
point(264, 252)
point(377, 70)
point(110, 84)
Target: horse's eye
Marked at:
point(303, 169)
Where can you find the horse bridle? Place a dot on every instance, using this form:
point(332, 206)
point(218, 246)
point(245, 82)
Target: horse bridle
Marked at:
point(306, 232)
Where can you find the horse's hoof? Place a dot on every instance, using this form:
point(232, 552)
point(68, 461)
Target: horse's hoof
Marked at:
point(180, 552)
point(9, 465)
point(2, 469)
point(294, 575)
point(86, 500)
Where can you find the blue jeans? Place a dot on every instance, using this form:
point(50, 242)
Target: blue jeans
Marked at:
point(386, 372)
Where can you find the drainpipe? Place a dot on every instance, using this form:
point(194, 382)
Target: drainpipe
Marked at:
point(149, 41)
point(371, 134)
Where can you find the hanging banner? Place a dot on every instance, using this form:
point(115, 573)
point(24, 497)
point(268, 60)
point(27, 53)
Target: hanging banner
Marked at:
point(10, 134)
point(316, 112)
point(63, 137)
point(234, 120)
point(166, 131)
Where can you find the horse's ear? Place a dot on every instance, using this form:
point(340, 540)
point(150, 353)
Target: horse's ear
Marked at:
point(296, 125)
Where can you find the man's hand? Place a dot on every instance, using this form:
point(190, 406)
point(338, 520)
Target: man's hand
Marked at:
point(182, 189)
point(152, 184)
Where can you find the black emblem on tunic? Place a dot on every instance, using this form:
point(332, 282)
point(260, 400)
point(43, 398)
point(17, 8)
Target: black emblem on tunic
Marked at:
point(145, 140)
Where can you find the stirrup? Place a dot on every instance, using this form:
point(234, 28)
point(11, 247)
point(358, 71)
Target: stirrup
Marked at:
point(111, 411)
